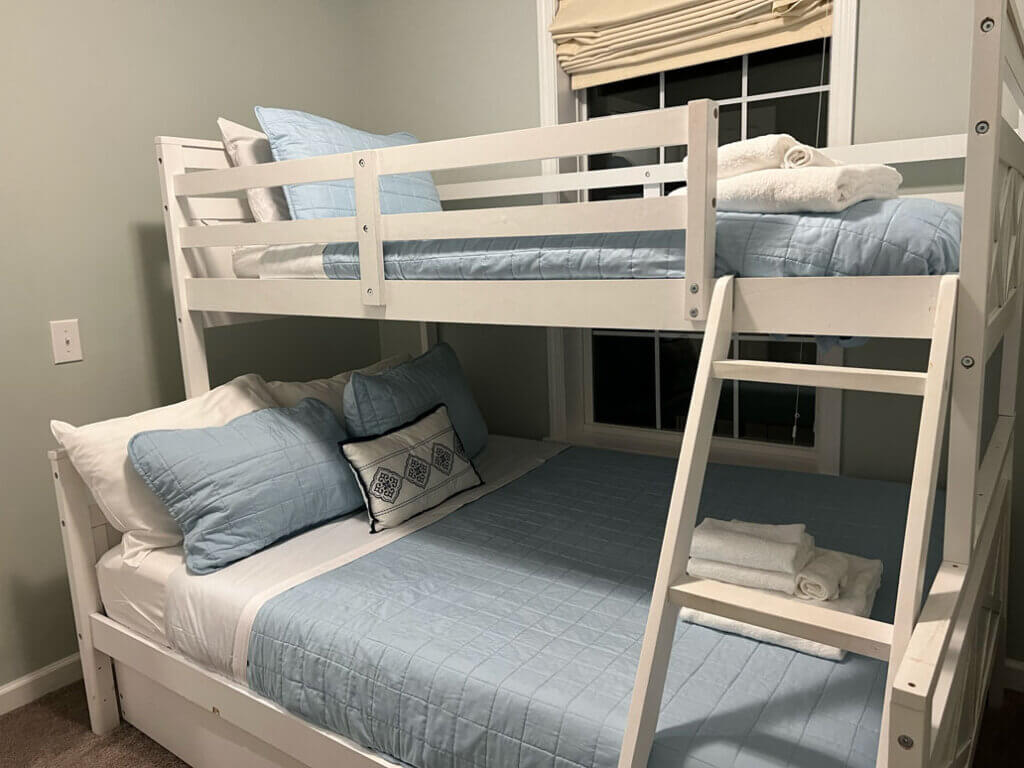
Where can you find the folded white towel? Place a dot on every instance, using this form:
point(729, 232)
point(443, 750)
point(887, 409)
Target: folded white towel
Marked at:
point(823, 577)
point(858, 598)
point(752, 155)
point(803, 155)
point(725, 542)
point(808, 189)
point(774, 581)
point(790, 533)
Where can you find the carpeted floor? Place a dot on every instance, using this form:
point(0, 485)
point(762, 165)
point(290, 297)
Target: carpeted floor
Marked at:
point(53, 732)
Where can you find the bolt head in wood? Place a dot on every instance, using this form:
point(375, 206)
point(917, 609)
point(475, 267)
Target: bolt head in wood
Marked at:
point(987, 24)
point(694, 288)
point(366, 227)
point(905, 741)
point(362, 163)
point(967, 361)
point(981, 127)
point(693, 312)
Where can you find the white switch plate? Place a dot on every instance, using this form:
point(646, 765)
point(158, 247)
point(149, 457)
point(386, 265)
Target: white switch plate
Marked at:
point(67, 346)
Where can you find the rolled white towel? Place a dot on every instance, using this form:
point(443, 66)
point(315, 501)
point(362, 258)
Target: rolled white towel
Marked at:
point(823, 576)
point(808, 189)
point(752, 154)
point(857, 597)
point(803, 155)
point(723, 542)
point(773, 581)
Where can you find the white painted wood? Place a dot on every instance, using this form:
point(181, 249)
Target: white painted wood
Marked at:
point(828, 418)
point(27, 688)
point(73, 503)
point(191, 335)
point(801, 619)
point(701, 186)
point(335, 230)
point(369, 230)
point(557, 414)
point(837, 377)
point(233, 703)
point(429, 334)
point(843, 72)
point(305, 170)
point(902, 307)
point(922, 488)
point(900, 151)
point(682, 514)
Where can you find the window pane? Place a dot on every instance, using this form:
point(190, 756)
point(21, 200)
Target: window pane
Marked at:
point(678, 371)
point(769, 412)
point(728, 132)
point(805, 117)
point(624, 380)
point(794, 66)
point(623, 96)
point(714, 80)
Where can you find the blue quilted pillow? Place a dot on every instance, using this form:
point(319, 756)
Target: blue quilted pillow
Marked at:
point(237, 489)
point(377, 404)
point(295, 135)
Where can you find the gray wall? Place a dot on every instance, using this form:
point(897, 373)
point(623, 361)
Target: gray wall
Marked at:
point(85, 88)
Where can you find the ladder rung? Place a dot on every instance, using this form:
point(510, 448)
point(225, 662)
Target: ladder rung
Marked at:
point(831, 376)
point(803, 619)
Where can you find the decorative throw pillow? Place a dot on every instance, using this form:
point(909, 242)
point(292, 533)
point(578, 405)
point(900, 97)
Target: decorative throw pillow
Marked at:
point(100, 454)
point(295, 135)
point(377, 404)
point(411, 469)
point(248, 147)
point(330, 391)
point(238, 488)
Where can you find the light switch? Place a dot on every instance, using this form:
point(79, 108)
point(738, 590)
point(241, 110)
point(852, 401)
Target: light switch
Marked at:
point(67, 346)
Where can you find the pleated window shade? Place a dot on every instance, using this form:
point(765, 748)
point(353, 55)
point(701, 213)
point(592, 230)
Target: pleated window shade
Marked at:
point(601, 41)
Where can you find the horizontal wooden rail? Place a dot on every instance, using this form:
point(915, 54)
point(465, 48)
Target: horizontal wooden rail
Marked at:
point(617, 133)
point(341, 230)
point(563, 182)
point(829, 376)
point(920, 150)
point(780, 614)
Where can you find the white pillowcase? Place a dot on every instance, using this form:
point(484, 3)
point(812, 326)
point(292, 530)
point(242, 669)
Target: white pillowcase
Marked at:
point(248, 147)
point(330, 391)
point(100, 454)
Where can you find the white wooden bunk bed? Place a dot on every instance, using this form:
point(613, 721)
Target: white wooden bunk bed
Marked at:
point(941, 648)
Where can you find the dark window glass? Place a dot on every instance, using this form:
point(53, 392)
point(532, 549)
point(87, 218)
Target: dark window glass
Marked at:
point(620, 160)
point(805, 117)
point(624, 380)
point(777, 413)
point(729, 118)
point(714, 80)
point(784, 69)
point(623, 96)
point(678, 371)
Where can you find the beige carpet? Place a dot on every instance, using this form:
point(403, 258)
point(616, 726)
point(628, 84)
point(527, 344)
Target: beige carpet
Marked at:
point(53, 732)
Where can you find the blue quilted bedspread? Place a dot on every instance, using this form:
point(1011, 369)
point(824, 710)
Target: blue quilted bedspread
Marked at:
point(508, 633)
point(904, 236)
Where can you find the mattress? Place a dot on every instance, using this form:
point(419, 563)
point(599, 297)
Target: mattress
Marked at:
point(135, 596)
point(903, 236)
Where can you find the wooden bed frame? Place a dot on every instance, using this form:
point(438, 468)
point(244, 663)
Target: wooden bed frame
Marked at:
point(941, 650)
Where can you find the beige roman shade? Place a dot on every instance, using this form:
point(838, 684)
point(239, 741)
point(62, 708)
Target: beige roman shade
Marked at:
point(600, 41)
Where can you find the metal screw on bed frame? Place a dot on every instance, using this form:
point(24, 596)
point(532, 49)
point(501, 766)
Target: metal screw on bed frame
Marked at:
point(369, 291)
point(905, 741)
point(694, 288)
point(362, 163)
point(693, 312)
point(967, 361)
point(981, 127)
point(988, 24)
point(366, 227)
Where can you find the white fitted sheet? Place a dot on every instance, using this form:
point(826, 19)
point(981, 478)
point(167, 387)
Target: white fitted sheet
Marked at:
point(208, 618)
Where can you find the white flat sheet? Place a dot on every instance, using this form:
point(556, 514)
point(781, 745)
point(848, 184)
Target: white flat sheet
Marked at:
point(209, 618)
point(304, 260)
point(135, 596)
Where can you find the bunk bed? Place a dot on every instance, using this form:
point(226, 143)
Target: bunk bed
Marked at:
point(930, 652)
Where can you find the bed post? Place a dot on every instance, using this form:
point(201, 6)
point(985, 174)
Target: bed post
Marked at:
point(170, 160)
point(80, 557)
point(701, 186)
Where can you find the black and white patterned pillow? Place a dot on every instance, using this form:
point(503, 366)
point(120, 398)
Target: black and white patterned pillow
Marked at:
point(410, 469)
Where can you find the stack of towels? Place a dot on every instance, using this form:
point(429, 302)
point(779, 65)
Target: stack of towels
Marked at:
point(780, 559)
point(778, 174)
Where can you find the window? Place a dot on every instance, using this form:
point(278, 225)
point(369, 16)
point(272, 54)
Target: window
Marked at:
point(644, 380)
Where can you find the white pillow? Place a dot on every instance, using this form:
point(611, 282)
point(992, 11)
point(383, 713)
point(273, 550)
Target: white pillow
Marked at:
point(100, 454)
point(248, 147)
point(330, 391)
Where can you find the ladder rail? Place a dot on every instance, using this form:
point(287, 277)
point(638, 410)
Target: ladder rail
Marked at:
point(645, 703)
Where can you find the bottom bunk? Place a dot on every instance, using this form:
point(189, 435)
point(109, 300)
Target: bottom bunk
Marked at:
point(507, 631)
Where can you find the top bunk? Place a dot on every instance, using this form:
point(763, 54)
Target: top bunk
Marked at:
point(569, 262)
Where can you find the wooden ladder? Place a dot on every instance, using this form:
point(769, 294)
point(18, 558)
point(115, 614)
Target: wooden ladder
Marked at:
point(673, 589)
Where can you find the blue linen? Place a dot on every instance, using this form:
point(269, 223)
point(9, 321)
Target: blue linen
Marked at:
point(294, 134)
point(903, 236)
point(508, 633)
point(238, 488)
point(382, 402)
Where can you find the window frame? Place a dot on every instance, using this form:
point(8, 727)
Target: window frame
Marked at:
point(570, 387)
